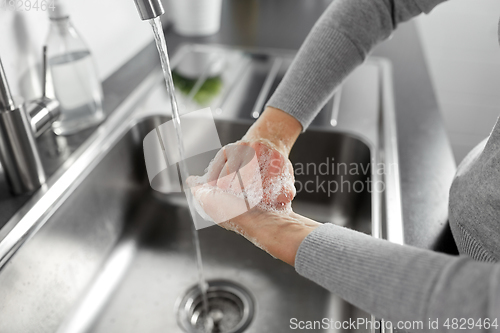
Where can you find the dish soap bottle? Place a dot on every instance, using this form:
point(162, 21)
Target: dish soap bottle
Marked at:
point(76, 84)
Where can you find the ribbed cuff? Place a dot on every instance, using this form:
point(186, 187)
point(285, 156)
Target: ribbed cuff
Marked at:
point(324, 60)
point(385, 279)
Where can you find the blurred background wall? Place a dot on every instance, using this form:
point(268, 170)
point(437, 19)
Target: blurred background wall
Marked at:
point(111, 28)
point(461, 45)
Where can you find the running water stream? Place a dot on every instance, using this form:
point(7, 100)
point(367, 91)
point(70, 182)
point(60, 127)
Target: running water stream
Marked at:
point(167, 73)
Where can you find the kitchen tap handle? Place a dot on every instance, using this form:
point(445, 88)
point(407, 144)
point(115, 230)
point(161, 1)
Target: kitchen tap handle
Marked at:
point(44, 110)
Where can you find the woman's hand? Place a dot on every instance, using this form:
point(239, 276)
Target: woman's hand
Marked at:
point(278, 233)
point(255, 170)
point(248, 188)
point(271, 227)
point(277, 128)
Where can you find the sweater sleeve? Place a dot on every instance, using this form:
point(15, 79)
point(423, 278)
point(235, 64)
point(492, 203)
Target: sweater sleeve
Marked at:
point(338, 42)
point(400, 283)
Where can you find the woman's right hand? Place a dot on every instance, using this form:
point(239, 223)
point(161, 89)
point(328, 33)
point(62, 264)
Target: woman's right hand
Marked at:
point(251, 173)
point(256, 168)
point(249, 186)
point(276, 231)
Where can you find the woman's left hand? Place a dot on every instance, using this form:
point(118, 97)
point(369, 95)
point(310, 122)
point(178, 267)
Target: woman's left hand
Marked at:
point(248, 189)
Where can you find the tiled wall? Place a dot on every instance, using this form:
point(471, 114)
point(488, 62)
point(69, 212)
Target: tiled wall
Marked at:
point(111, 28)
point(461, 44)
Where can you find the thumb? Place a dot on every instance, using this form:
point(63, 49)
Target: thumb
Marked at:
point(218, 204)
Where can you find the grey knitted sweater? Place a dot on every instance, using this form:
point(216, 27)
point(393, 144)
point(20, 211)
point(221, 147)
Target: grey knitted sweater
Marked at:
point(392, 281)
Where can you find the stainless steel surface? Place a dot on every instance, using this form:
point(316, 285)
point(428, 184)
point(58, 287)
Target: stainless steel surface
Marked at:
point(149, 9)
point(394, 213)
point(426, 162)
point(334, 119)
point(266, 87)
point(231, 308)
point(43, 112)
point(18, 153)
point(115, 257)
point(34, 214)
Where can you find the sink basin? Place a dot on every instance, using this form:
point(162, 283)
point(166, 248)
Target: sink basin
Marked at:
point(97, 250)
point(115, 218)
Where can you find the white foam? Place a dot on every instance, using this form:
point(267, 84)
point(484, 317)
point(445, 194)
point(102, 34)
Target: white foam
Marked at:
point(270, 188)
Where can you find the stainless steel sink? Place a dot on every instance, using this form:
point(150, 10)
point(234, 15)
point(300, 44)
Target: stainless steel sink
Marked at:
point(106, 253)
point(114, 216)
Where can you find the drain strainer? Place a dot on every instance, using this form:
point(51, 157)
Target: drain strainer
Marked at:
point(231, 308)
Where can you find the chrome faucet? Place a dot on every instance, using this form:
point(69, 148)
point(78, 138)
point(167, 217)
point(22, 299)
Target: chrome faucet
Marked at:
point(19, 155)
point(149, 9)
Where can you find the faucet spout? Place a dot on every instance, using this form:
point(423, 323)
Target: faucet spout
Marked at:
point(149, 9)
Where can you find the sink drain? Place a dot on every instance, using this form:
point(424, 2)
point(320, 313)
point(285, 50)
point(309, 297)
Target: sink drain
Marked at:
point(230, 306)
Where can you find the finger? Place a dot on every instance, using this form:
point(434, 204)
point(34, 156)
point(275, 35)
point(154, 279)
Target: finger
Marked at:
point(288, 190)
point(229, 181)
point(240, 170)
point(286, 194)
point(220, 205)
point(278, 180)
point(216, 166)
point(193, 181)
point(249, 168)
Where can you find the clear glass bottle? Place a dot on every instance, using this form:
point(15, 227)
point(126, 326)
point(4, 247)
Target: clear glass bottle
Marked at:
point(76, 84)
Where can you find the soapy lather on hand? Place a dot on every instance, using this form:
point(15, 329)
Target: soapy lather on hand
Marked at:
point(244, 175)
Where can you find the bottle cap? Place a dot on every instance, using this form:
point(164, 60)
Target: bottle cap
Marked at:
point(58, 9)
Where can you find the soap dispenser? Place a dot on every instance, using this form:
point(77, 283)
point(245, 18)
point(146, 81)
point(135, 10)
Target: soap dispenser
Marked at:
point(75, 80)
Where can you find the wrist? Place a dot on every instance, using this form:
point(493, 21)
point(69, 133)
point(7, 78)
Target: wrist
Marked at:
point(282, 237)
point(276, 128)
